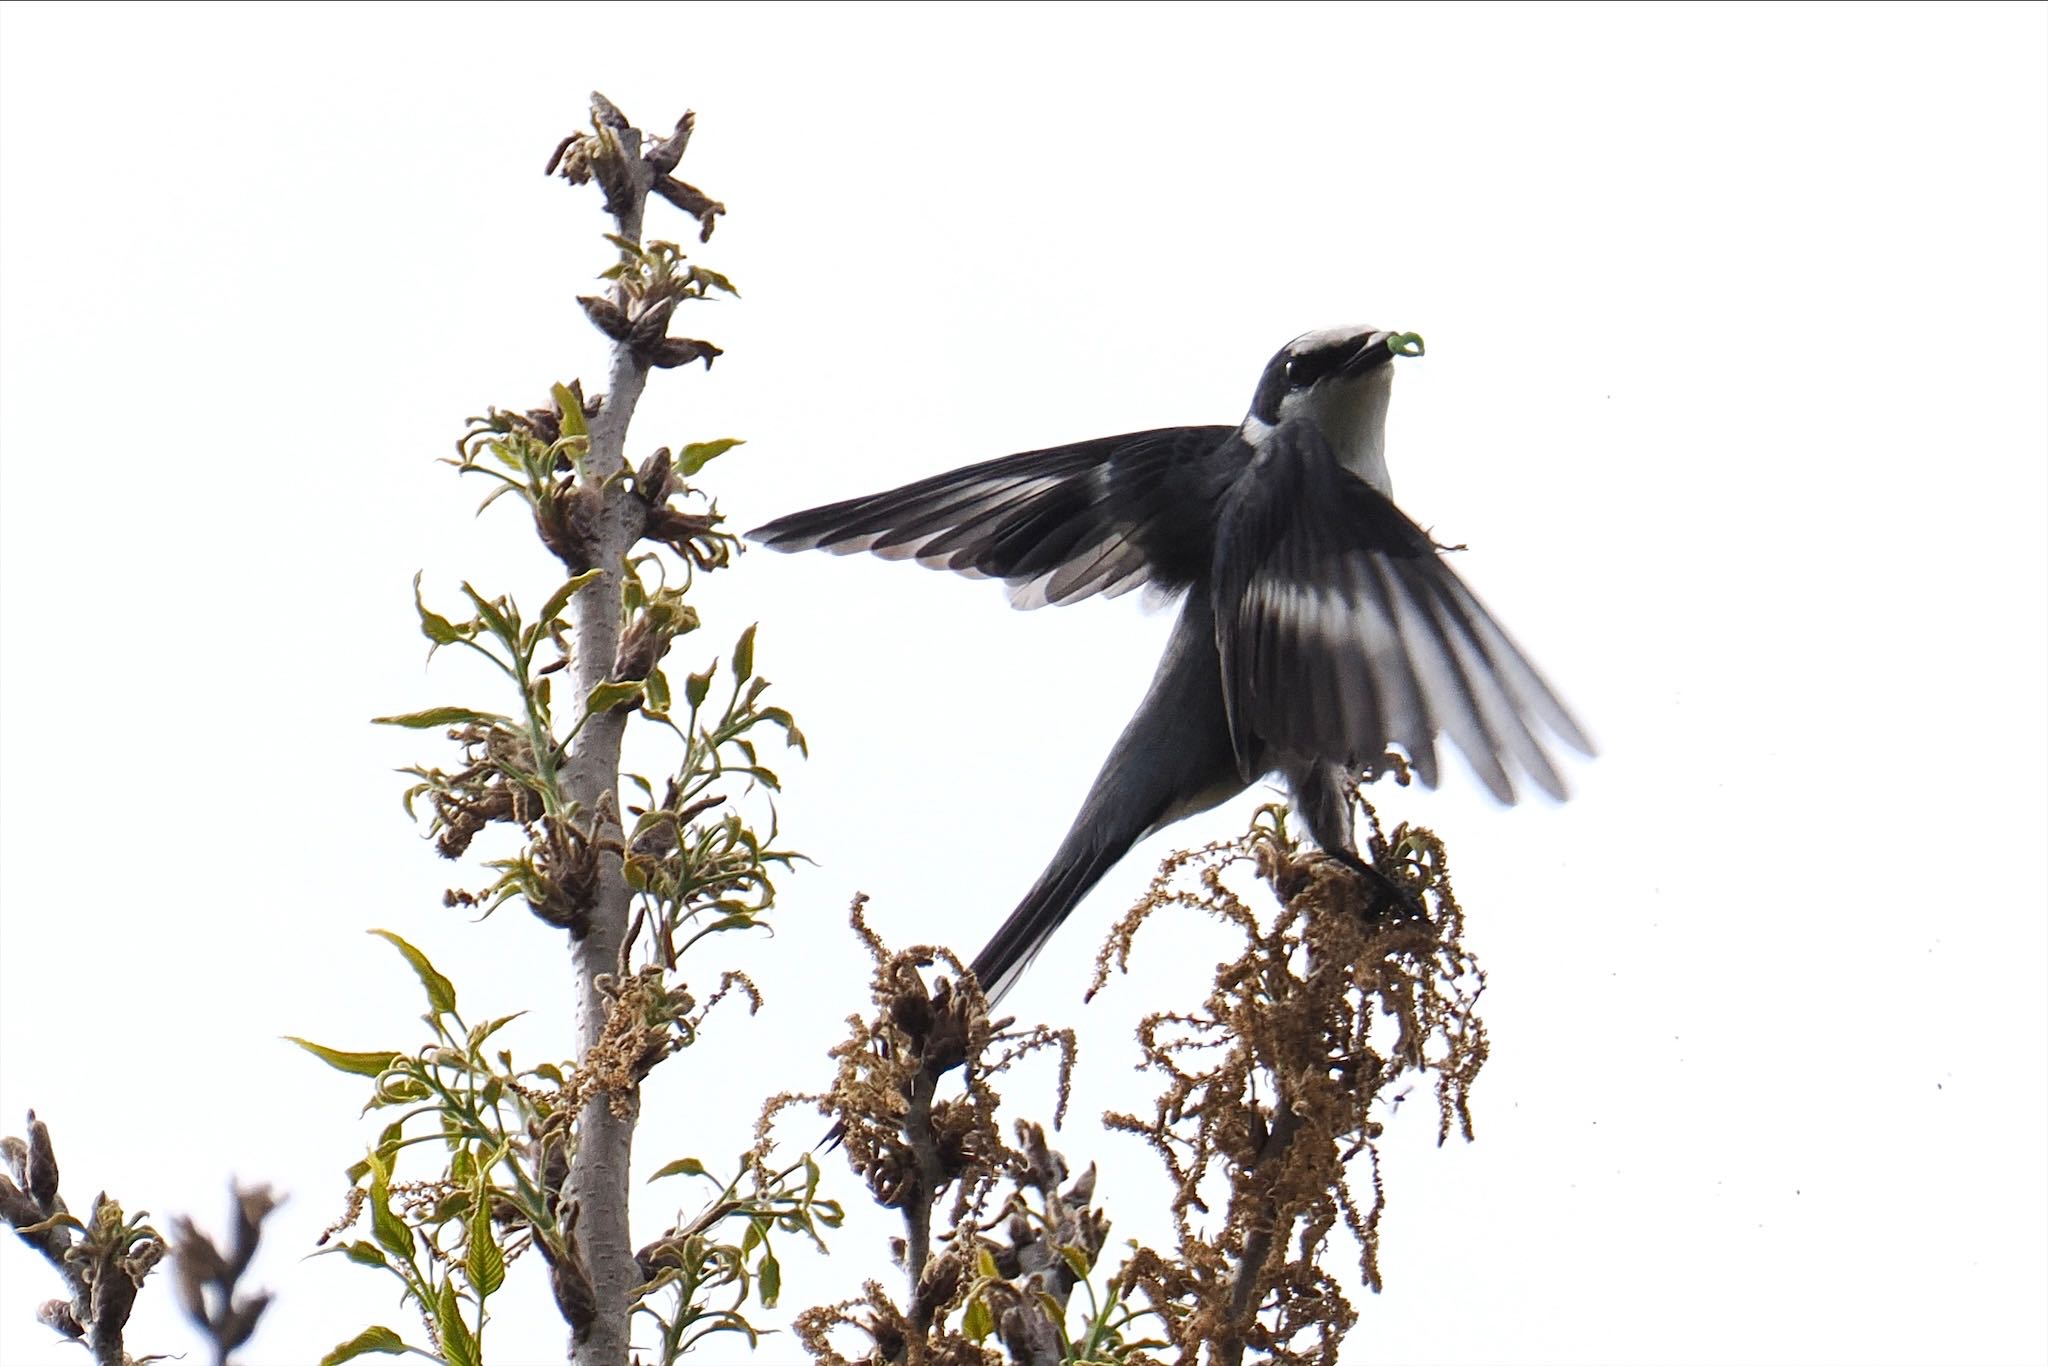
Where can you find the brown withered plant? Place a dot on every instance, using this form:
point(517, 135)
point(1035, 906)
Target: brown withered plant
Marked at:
point(1015, 1235)
point(1276, 1086)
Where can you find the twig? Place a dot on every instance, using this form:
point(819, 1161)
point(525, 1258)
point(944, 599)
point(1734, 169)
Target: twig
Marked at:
point(612, 154)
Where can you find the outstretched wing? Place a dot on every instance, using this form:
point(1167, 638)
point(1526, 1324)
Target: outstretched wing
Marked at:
point(1341, 628)
point(1102, 516)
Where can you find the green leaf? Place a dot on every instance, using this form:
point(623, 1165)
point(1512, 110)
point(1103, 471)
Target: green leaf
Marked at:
point(553, 607)
point(490, 1027)
point(440, 991)
point(743, 656)
point(433, 625)
point(357, 1064)
point(393, 1234)
point(682, 1166)
point(977, 1323)
point(698, 454)
point(573, 421)
point(502, 621)
point(373, 1339)
point(483, 1261)
point(657, 692)
point(743, 920)
point(613, 693)
point(435, 717)
point(791, 735)
point(363, 1253)
point(714, 279)
point(457, 1346)
point(771, 1280)
point(698, 687)
point(1076, 1258)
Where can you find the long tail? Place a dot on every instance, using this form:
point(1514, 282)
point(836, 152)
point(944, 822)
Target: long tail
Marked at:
point(1172, 760)
point(1089, 850)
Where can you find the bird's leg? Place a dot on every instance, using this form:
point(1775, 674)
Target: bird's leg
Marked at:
point(1322, 794)
point(1388, 896)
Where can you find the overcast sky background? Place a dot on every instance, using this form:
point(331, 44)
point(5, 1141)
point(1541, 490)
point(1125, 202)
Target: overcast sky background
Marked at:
point(1737, 336)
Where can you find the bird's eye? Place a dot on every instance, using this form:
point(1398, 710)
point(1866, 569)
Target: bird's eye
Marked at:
point(1296, 372)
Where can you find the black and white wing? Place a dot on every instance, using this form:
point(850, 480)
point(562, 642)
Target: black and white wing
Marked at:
point(1102, 516)
point(1341, 628)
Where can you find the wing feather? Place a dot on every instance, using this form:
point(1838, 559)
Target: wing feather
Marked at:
point(1342, 630)
point(1060, 524)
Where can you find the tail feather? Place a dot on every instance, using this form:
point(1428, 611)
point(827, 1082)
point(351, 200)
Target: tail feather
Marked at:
point(1080, 863)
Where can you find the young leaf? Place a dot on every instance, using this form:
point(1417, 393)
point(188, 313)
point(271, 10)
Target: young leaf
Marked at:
point(682, 1166)
point(435, 717)
point(373, 1339)
point(698, 454)
point(358, 1064)
point(502, 621)
point(743, 656)
point(771, 1280)
point(791, 735)
point(457, 1346)
point(440, 991)
point(364, 1253)
point(552, 608)
point(698, 687)
point(433, 625)
point(483, 1261)
point(613, 693)
point(713, 279)
point(573, 421)
point(393, 1234)
point(490, 1027)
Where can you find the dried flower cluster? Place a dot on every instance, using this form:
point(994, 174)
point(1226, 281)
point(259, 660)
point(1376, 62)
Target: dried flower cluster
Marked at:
point(918, 1150)
point(1276, 1086)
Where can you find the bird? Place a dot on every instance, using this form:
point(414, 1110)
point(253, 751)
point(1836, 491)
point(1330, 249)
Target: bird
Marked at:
point(1320, 629)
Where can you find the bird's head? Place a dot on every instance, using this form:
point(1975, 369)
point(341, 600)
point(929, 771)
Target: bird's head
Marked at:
point(1340, 379)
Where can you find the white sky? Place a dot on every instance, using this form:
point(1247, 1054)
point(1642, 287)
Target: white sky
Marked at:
point(1736, 323)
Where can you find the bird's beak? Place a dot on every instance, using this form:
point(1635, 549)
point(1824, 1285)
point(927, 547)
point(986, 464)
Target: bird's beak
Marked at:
point(1377, 348)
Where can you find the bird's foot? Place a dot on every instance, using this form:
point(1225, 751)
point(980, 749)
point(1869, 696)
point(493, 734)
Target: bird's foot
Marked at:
point(1389, 898)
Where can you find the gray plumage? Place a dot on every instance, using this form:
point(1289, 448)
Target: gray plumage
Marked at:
point(1321, 626)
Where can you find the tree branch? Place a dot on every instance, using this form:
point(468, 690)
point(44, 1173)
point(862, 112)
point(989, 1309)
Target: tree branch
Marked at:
point(103, 1261)
point(597, 1187)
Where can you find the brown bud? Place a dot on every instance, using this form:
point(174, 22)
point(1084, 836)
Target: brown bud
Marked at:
point(656, 477)
point(603, 111)
point(575, 1296)
point(693, 202)
point(57, 1314)
point(650, 324)
point(664, 155)
point(674, 351)
point(15, 1206)
point(606, 316)
point(41, 1165)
